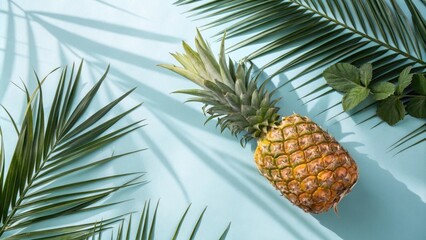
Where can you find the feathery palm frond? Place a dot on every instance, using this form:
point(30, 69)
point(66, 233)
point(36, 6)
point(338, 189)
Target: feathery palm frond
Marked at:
point(325, 32)
point(37, 185)
point(147, 226)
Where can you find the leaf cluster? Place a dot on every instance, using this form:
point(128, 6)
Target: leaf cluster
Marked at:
point(394, 100)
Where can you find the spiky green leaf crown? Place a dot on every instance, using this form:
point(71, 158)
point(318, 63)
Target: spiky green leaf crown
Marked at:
point(232, 95)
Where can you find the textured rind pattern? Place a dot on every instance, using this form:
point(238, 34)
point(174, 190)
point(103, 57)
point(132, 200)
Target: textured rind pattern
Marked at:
point(306, 164)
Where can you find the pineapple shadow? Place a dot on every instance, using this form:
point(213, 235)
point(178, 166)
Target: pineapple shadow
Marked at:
point(378, 199)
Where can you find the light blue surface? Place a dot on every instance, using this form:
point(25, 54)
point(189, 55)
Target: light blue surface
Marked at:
point(191, 163)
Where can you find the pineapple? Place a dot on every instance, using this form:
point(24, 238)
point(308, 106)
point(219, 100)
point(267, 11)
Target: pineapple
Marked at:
point(298, 158)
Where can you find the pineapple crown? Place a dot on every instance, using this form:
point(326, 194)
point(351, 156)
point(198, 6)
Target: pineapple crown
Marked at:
point(230, 94)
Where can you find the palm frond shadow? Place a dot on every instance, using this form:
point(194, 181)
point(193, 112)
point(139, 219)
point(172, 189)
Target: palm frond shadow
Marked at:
point(119, 8)
point(156, 101)
point(166, 162)
point(166, 104)
point(84, 44)
point(160, 102)
point(231, 178)
point(9, 51)
point(70, 40)
point(110, 27)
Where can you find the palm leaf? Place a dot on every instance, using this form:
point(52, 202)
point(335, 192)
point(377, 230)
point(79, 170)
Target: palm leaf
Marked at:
point(322, 29)
point(404, 142)
point(146, 226)
point(36, 186)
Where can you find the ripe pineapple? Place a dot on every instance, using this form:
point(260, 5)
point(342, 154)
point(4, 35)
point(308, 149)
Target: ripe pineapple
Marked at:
point(299, 159)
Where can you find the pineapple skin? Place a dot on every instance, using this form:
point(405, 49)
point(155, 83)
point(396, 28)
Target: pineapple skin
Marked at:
point(308, 166)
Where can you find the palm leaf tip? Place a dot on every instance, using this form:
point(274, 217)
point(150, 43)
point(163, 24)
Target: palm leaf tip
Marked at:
point(49, 150)
point(148, 221)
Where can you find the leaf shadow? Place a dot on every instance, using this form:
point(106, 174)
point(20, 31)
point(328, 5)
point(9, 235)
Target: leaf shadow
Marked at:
point(9, 51)
point(119, 8)
point(161, 102)
point(160, 105)
point(76, 42)
point(110, 27)
point(84, 44)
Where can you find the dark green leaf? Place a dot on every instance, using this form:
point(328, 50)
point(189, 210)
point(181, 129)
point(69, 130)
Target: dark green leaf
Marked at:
point(410, 136)
point(342, 76)
point(416, 107)
point(197, 225)
point(225, 233)
point(391, 110)
point(382, 90)
point(366, 74)
point(354, 97)
point(419, 84)
point(175, 235)
point(404, 80)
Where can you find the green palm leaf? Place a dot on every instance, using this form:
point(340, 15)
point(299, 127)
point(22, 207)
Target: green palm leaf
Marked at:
point(147, 225)
point(37, 185)
point(404, 143)
point(324, 32)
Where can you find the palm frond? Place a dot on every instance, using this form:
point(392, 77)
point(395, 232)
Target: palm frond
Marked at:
point(37, 185)
point(406, 141)
point(146, 227)
point(323, 32)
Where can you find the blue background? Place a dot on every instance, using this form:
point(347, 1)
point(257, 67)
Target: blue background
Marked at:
point(187, 162)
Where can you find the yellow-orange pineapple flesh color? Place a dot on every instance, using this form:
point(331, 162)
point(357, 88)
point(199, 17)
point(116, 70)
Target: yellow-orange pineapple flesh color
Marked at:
point(306, 164)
